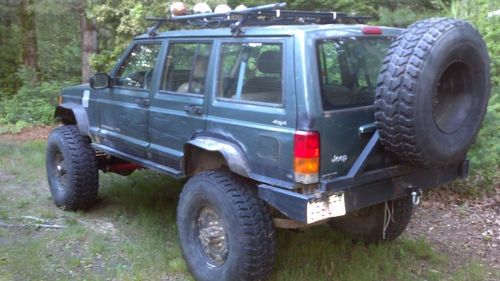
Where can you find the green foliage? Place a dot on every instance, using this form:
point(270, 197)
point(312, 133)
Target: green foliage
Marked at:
point(33, 103)
point(404, 13)
point(478, 13)
point(59, 43)
point(485, 153)
point(23, 101)
point(9, 58)
point(118, 22)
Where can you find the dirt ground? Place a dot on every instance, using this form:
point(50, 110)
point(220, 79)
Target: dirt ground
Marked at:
point(460, 227)
point(28, 134)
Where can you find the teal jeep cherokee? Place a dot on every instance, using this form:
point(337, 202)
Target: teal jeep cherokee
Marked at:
point(277, 118)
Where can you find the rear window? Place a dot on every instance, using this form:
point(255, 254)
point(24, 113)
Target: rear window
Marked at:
point(348, 70)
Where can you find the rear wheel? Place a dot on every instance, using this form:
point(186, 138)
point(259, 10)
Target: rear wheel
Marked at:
point(224, 229)
point(72, 169)
point(377, 223)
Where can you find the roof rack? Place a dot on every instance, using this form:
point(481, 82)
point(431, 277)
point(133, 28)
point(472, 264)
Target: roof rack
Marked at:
point(264, 15)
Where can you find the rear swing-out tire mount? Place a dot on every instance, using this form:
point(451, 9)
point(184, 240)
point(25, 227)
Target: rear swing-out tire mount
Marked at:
point(430, 101)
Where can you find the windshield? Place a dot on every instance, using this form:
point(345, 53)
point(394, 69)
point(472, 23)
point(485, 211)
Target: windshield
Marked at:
point(348, 70)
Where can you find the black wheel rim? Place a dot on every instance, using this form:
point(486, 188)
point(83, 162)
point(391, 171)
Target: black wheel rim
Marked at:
point(60, 171)
point(212, 237)
point(453, 97)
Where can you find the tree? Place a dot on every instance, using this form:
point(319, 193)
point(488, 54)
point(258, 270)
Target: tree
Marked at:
point(89, 39)
point(29, 46)
point(117, 22)
point(10, 55)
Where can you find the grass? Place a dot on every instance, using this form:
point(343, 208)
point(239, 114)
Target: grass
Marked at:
point(130, 234)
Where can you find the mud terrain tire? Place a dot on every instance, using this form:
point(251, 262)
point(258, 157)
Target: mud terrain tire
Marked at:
point(244, 248)
point(367, 224)
point(432, 92)
point(72, 169)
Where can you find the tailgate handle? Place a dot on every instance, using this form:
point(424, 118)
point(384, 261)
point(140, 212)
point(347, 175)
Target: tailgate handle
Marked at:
point(193, 109)
point(369, 128)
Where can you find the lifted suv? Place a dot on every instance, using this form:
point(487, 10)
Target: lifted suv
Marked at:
point(279, 119)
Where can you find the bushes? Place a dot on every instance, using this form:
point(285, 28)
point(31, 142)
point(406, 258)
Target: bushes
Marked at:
point(32, 105)
point(484, 155)
point(480, 13)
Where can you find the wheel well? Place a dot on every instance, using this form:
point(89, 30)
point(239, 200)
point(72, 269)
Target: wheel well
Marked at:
point(65, 116)
point(197, 160)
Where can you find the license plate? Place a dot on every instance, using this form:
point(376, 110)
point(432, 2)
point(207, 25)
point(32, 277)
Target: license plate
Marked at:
point(320, 209)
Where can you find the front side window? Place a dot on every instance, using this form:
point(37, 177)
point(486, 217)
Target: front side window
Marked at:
point(186, 68)
point(251, 72)
point(348, 70)
point(137, 69)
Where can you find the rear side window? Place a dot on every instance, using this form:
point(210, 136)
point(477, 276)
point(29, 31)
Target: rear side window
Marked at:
point(251, 72)
point(186, 68)
point(348, 70)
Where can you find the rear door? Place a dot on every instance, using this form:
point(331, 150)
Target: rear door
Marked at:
point(253, 105)
point(348, 68)
point(123, 108)
point(178, 109)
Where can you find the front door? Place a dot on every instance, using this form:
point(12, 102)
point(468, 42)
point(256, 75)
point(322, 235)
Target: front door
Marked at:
point(178, 109)
point(123, 108)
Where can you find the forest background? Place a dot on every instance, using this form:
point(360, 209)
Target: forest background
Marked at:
point(46, 45)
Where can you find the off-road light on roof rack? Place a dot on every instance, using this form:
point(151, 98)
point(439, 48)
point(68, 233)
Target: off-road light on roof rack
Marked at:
point(178, 9)
point(240, 7)
point(222, 8)
point(264, 15)
point(202, 8)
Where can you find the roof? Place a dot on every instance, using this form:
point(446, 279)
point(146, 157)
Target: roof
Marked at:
point(273, 30)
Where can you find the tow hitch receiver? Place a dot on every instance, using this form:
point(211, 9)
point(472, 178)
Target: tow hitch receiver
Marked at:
point(415, 197)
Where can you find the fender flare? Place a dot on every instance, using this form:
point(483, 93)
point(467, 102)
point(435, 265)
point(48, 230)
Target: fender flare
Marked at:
point(231, 153)
point(73, 113)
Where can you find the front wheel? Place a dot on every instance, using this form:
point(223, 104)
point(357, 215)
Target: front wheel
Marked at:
point(377, 223)
point(225, 231)
point(72, 169)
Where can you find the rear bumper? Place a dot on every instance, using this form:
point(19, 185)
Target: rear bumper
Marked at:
point(338, 196)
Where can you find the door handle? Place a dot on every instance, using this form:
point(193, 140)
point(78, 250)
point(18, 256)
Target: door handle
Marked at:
point(193, 109)
point(143, 102)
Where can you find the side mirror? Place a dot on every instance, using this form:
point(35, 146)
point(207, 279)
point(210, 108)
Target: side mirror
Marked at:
point(100, 81)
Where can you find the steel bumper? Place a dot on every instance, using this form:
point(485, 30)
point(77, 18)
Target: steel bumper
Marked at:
point(338, 196)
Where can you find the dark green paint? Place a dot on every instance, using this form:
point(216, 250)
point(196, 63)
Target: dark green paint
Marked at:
point(157, 131)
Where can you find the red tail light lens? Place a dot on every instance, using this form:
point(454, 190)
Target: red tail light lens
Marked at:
point(306, 155)
point(306, 144)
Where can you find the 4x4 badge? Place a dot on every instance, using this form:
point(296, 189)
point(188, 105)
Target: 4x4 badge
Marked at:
point(279, 123)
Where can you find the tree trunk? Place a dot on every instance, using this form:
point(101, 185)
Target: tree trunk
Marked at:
point(29, 47)
point(89, 40)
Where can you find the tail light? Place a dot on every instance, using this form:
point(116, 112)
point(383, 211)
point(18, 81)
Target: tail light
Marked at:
point(306, 156)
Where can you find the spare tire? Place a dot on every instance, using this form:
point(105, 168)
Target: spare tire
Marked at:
point(432, 92)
